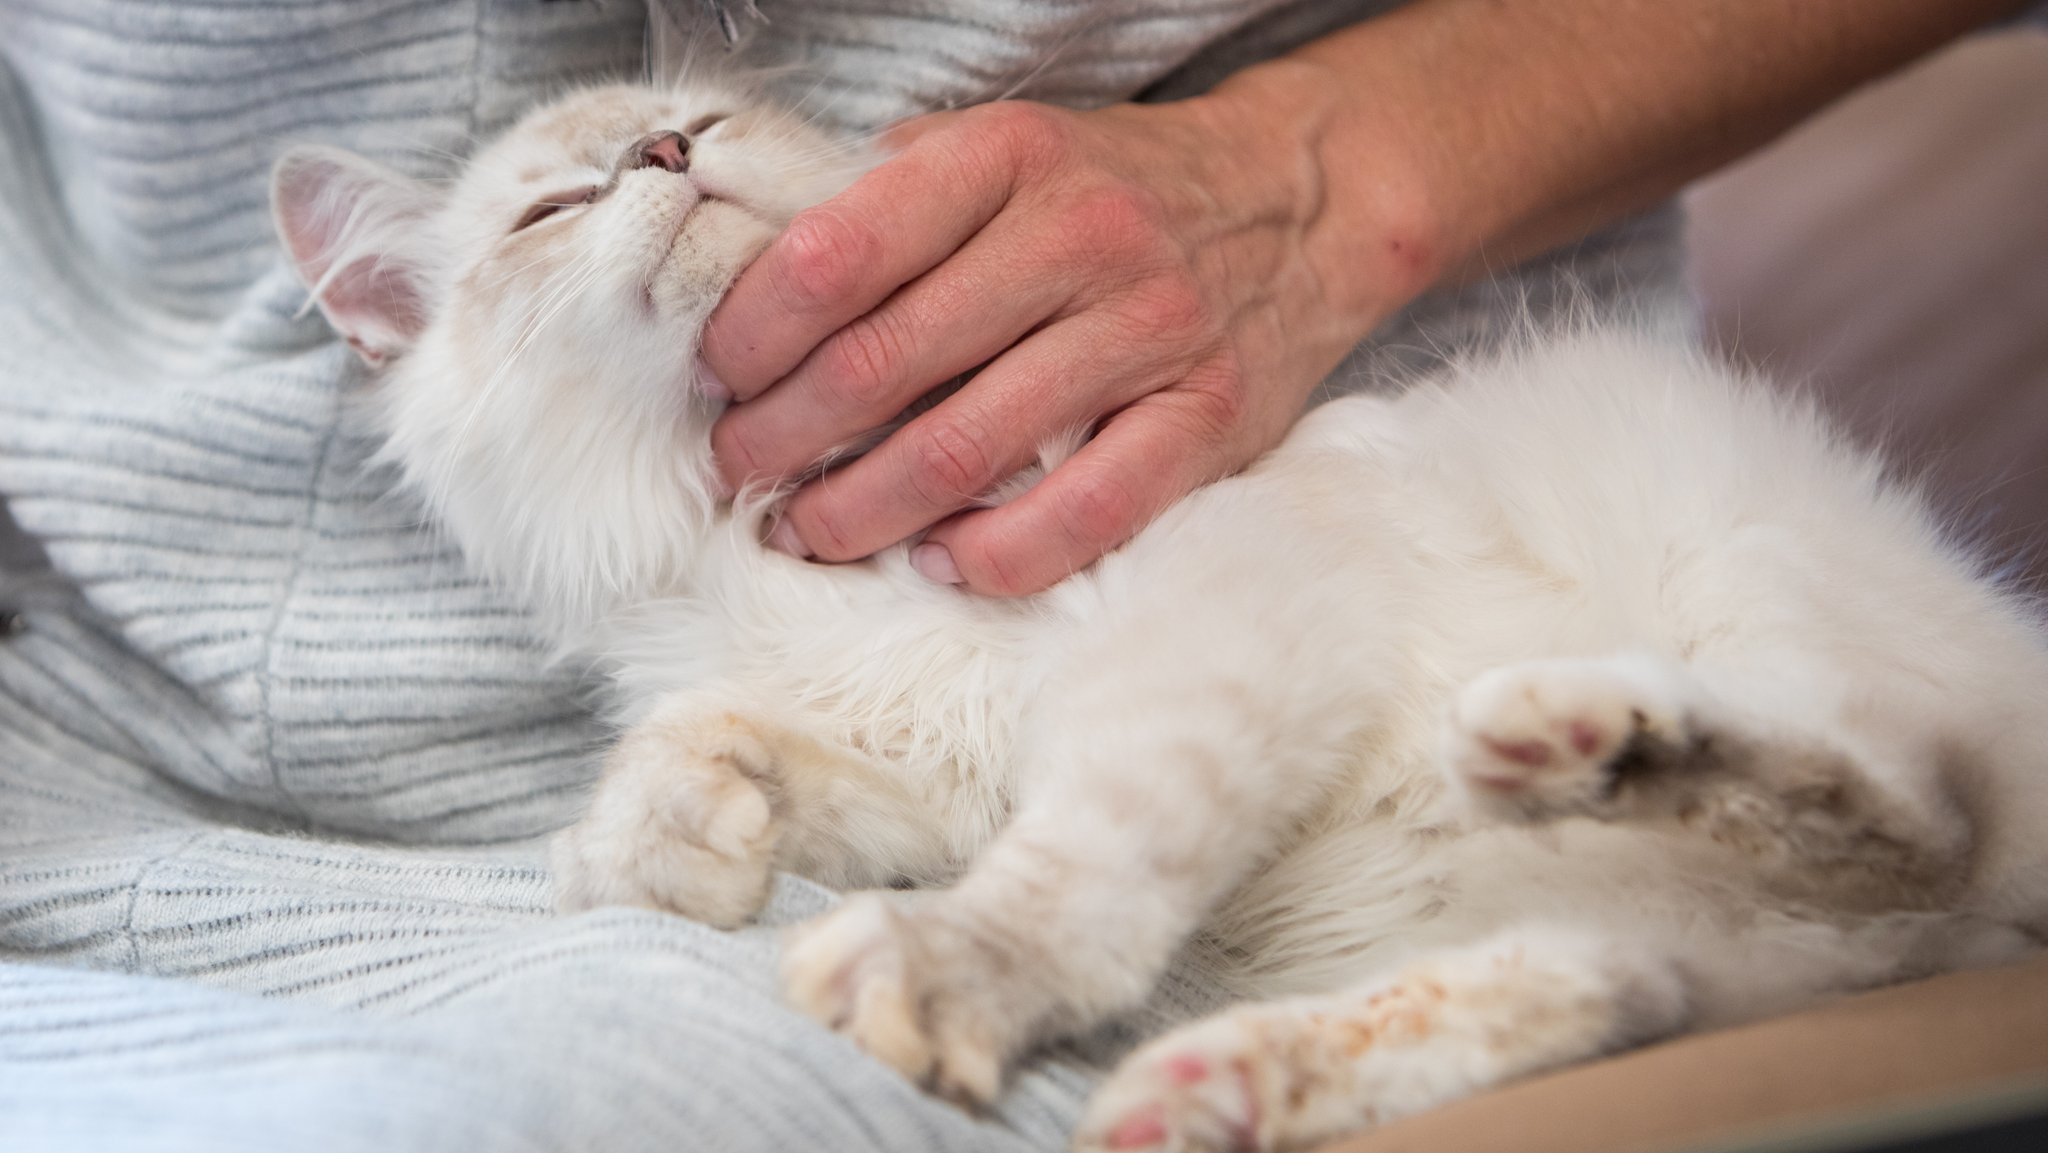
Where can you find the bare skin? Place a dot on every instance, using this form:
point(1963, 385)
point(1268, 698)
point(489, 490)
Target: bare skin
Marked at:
point(1181, 276)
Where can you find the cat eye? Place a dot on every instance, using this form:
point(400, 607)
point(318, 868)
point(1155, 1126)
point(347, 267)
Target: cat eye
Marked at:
point(543, 209)
point(704, 123)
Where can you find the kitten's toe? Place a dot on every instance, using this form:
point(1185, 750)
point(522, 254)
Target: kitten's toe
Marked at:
point(687, 835)
point(899, 985)
point(1546, 738)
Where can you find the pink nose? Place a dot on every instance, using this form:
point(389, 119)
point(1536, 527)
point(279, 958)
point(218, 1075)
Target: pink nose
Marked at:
point(667, 150)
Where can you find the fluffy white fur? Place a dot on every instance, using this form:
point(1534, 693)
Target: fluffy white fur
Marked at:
point(1573, 699)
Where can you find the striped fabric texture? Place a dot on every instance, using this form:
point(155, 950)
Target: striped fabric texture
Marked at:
point(274, 770)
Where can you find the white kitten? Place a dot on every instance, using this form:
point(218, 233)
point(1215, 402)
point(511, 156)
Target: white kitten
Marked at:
point(1578, 698)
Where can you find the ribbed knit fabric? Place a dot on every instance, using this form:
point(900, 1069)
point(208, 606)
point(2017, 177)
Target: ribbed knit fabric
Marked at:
point(273, 768)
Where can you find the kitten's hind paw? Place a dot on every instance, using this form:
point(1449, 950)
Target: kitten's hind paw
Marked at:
point(1283, 1075)
point(1291, 1075)
point(1195, 1090)
point(1553, 738)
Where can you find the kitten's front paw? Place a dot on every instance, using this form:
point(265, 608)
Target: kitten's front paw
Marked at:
point(905, 985)
point(1549, 738)
point(677, 824)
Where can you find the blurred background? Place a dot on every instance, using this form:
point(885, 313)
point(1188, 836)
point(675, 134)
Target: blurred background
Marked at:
point(1894, 253)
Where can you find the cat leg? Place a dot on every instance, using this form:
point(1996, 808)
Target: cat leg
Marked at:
point(1136, 828)
point(699, 803)
point(1289, 1074)
point(1641, 738)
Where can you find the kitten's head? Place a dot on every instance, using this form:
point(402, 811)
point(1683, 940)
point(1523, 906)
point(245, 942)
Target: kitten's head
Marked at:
point(537, 321)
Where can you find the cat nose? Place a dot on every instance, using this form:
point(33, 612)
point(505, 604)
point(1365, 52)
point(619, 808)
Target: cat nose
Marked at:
point(666, 150)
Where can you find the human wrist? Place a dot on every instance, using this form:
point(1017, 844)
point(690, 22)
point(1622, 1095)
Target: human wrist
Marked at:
point(1361, 203)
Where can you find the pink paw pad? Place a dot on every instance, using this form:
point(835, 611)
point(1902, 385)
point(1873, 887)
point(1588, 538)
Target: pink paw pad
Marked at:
point(1530, 754)
point(1140, 1130)
point(1586, 737)
point(1186, 1069)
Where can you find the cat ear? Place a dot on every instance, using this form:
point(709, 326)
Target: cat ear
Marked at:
point(352, 227)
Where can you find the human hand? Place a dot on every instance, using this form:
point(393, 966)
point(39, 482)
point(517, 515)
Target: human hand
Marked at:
point(1141, 270)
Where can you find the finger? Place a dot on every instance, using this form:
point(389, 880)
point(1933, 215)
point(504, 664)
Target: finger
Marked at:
point(942, 324)
point(843, 257)
point(947, 458)
point(1136, 467)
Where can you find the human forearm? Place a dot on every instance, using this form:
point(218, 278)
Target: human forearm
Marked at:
point(1495, 129)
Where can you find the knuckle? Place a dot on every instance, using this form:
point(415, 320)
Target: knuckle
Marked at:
point(1170, 309)
point(1219, 447)
point(1215, 400)
point(950, 463)
point(826, 255)
point(733, 448)
point(865, 359)
point(1098, 512)
point(991, 569)
point(1118, 219)
point(827, 533)
point(1028, 133)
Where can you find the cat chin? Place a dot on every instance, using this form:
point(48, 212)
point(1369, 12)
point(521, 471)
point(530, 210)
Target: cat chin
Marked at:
point(718, 239)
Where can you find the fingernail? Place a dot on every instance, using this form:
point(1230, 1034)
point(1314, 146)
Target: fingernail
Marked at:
point(783, 538)
point(934, 563)
point(709, 384)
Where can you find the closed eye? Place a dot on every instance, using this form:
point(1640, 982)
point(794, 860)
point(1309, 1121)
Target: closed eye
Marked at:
point(542, 209)
point(703, 123)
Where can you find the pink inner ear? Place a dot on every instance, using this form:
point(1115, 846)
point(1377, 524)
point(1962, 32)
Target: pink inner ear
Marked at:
point(377, 310)
point(334, 206)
